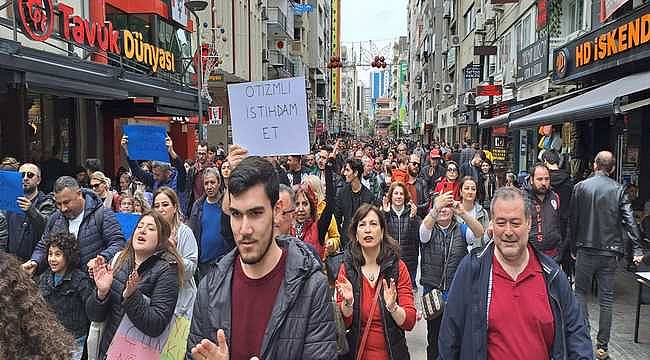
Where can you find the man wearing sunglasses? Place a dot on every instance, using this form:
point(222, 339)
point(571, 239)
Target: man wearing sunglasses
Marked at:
point(26, 228)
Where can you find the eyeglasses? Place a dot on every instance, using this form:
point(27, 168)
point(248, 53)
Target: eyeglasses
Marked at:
point(95, 185)
point(415, 163)
point(452, 169)
point(27, 174)
point(288, 211)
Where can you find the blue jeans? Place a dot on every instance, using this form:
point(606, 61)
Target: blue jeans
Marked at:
point(78, 350)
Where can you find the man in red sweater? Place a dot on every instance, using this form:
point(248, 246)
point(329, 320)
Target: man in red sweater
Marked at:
point(268, 298)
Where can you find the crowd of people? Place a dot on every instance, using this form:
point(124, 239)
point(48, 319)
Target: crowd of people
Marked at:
point(315, 256)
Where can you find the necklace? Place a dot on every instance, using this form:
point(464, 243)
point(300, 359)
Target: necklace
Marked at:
point(370, 276)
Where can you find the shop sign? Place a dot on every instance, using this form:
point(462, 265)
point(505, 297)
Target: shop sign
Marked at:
point(489, 90)
point(36, 18)
point(619, 42)
point(532, 62)
point(215, 115)
point(542, 14)
point(473, 71)
point(485, 50)
point(499, 149)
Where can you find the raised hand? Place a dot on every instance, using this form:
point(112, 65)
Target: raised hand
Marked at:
point(390, 293)
point(385, 204)
point(344, 289)
point(207, 350)
point(414, 209)
point(329, 246)
point(443, 200)
point(24, 203)
point(103, 276)
point(236, 154)
point(131, 284)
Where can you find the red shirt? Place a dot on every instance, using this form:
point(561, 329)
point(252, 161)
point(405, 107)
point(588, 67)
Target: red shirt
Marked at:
point(252, 304)
point(376, 344)
point(520, 321)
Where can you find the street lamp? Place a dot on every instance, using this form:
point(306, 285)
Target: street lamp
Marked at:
point(193, 7)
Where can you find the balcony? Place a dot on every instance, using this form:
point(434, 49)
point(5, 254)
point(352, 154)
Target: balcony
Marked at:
point(282, 64)
point(278, 23)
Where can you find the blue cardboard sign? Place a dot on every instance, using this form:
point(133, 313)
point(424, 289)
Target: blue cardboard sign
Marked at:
point(11, 188)
point(146, 142)
point(127, 222)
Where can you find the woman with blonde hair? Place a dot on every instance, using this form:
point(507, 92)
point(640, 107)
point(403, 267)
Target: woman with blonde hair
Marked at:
point(167, 204)
point(332, 237)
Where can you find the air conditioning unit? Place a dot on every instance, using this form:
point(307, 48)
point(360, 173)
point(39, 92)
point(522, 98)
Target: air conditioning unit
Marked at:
point(446, 9)
point(445, 46)
point(454, 40)
point(438, 85)
point(448, 88)
point(265, 55)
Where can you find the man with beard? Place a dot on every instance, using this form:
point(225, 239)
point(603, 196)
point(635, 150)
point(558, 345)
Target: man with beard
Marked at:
point(434, 170)
point(369, 179)
point(545, 232)
point(416, 187)
point(509, 300)
point(295, 171)
point(81, 213)
point(268, 298)
point(25, 229)
point(195, 174)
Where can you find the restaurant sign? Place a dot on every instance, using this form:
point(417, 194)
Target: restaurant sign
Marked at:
point(617, 43)
point(37, 17)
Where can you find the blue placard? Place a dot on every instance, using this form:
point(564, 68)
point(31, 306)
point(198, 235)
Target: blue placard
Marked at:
point(11, 188)
point(146, 142)
point(128, 222)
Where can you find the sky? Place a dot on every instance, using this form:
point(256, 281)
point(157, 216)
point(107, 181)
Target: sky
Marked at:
point(382, 21)
point(363, 20)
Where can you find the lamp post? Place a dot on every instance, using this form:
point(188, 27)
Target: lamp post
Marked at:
point(193, 7)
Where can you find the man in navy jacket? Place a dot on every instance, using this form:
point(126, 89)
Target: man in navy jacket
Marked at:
point(510, 300)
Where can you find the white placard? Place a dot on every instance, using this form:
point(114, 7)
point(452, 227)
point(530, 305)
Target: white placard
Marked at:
point(270, 117)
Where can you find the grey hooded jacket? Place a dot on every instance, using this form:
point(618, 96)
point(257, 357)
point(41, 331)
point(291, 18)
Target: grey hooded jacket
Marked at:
point(301, 326)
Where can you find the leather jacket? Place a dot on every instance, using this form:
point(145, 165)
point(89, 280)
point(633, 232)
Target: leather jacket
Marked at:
point(601, 217)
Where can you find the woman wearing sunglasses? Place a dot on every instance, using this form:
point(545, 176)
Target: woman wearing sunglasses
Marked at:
point(449, 183)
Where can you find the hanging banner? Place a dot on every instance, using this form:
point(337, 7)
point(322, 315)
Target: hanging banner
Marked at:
point(336, 51)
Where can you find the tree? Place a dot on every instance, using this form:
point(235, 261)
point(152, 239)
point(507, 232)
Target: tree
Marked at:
point(396, 124)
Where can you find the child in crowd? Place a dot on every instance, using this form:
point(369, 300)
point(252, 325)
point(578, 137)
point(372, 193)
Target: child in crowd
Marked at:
point(65, 287)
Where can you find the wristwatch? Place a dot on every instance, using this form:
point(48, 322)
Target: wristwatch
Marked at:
point(395, 307)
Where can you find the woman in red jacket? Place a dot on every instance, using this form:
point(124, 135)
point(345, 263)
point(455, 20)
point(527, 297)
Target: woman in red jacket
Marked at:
point(449, 183)
point(374, 290)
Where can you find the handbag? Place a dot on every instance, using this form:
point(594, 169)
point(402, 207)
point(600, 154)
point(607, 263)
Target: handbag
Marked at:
point(342, 346)
point(433, 302)
point(366, 331)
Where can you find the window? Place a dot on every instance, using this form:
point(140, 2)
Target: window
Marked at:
point(504, 50)
point(470, 20)
point(575, 15)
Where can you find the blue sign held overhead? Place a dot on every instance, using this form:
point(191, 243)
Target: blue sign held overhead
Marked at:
point(146, 142)
point(127, 222)
point(11, 188)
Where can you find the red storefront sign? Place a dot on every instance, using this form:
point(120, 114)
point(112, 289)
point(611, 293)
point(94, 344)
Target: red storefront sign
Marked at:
point(489, 90)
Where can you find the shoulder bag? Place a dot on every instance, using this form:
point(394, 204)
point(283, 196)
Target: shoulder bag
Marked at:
point(366, 331)
point(433, 302)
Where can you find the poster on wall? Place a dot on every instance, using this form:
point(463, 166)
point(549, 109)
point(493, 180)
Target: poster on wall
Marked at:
point(178, 11)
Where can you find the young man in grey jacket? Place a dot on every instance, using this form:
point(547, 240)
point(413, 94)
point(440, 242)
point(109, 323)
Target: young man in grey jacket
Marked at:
point(266, 299)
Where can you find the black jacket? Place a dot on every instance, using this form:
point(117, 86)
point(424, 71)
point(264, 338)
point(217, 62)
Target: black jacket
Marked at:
point(422, 201)
point(104, 239)
point(548, 220)
point(68, 299)
point(150, 307)
point(346, 207)
point(438, 172)
point(301, 324)
point(26, 228)
point(464, 329)
point(406, 231)
point(601, 217)
point(393, 334)
point(450, 247)
point(562, 184)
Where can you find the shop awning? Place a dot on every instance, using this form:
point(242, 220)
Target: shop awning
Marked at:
point(57, 85)
point(598, 103)
point(503, 119)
